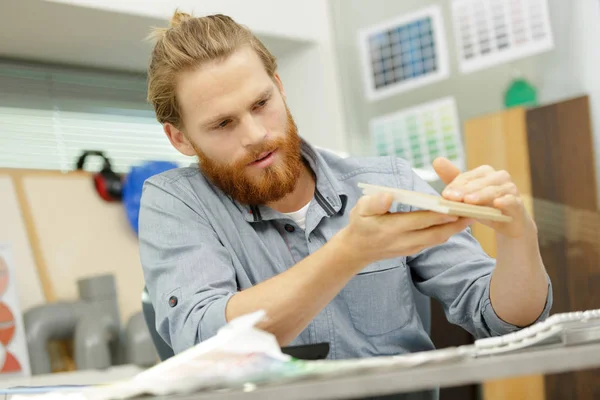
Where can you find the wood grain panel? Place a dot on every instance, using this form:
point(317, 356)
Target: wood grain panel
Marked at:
point(13, 230)
point(500, 140)
point(444, 334)
point(564, 186)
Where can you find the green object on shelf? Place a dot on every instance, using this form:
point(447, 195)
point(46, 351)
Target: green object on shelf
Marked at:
point(520, 93)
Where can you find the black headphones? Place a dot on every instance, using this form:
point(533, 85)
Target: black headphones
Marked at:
point(108, 183)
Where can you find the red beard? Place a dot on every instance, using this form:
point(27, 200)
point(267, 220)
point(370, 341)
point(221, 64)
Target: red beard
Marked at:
point(275, 182)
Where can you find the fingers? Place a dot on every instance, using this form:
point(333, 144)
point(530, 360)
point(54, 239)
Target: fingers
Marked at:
point(445, 169)
point(438, 234)
point(514, 207)
point(418, 220)
point(475, 173)
point(487, 195)
point(455, 190)
point(482, 190)
point(495, 178)
point(509, 204)
point(377, 204)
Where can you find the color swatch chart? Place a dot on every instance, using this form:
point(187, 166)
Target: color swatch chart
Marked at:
point(490, 32)
point(404, 53)
point(420, 134)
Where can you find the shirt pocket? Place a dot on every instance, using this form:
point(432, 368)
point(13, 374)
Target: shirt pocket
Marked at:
point(379, 298)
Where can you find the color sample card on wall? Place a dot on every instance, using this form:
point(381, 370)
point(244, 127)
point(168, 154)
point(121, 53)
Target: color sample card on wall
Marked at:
point(14, 357)
point(420, 134)
point(491, 32)
point(404, 53)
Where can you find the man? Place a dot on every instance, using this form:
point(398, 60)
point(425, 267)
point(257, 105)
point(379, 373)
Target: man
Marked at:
point(265, 221)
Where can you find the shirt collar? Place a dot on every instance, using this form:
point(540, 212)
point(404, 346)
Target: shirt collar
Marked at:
point(329, 193)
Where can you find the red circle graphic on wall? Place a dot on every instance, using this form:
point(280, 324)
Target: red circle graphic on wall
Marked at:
point(11, 364)
point(3, 275)
point(7, 324)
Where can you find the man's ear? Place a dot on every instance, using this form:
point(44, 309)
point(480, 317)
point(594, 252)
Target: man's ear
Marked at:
point(279, 84)
point(179, 140)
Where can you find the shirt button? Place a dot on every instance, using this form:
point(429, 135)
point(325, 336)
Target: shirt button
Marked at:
point(289, 228)
point(172, 301)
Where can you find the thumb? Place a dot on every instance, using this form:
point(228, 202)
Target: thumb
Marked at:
point(376, 204)
point(445, 169)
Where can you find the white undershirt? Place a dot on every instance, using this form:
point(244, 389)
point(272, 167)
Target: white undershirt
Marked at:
point(299, 217)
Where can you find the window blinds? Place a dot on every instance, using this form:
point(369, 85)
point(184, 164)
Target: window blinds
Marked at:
point(49, 115)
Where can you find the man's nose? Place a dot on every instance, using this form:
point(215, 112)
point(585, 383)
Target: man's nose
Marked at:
point(252, 132)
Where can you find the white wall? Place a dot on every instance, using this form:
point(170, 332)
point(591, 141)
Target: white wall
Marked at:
point(587, 22)
point(312, 86)
point(558, 72)
point(350, 16)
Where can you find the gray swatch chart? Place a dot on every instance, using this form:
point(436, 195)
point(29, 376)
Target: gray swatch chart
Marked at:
point(490, 32)
point(420, 134)
point(404, 53)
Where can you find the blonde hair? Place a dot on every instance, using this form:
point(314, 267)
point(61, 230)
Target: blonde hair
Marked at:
point(188, 43)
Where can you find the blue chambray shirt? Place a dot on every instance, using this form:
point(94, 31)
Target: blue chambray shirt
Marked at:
point(198, 248)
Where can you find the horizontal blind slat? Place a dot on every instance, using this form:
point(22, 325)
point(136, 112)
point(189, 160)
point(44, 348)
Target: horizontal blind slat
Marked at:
point(49, 115)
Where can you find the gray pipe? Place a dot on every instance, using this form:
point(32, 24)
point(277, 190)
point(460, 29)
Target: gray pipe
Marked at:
point(49, 322)
point(139, 347)
point(96, 337)
point(97, 333)
point(94, 322)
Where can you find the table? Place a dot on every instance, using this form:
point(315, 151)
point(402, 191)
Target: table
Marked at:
point(401, 380)
point(89, 377)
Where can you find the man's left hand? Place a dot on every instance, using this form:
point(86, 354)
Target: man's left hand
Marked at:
point(485, 186)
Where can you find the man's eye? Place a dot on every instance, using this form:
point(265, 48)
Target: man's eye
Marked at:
point(224, 123)
point(261, 103)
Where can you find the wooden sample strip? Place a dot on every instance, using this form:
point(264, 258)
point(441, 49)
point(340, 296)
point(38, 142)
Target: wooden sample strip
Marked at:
point(437, 204)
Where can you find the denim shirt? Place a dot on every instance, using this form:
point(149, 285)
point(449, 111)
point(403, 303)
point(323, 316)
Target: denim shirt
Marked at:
point(199, 247)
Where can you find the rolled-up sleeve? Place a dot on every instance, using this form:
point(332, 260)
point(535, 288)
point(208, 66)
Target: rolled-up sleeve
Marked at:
point(458, 274)
point(188, 272)
point(497, 326)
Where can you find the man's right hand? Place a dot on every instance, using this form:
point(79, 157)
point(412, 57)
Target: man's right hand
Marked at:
point(374, 234)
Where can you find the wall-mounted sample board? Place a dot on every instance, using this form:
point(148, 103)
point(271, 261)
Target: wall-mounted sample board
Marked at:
point(420, 134)
point(404, 53)
point(492, 32)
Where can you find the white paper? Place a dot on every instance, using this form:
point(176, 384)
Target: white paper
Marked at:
point(491, 32)
point(238, 353)
point(237, 356)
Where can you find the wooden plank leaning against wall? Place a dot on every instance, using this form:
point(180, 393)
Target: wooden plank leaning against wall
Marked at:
point(500, 140)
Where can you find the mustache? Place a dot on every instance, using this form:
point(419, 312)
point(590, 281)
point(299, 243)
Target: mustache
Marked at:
point(256, 151)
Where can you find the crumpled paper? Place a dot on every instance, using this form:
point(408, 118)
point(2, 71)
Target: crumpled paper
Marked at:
point(238, 353)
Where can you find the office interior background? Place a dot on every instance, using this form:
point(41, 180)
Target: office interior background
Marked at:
point(73, 79)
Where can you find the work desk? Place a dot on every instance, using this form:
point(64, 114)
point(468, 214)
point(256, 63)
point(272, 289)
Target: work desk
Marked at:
point(402, 380)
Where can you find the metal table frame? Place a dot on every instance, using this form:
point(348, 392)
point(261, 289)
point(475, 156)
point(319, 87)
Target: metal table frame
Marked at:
point(403, 380)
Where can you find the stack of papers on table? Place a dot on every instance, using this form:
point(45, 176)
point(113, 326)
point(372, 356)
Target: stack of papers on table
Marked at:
point(239, 354)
